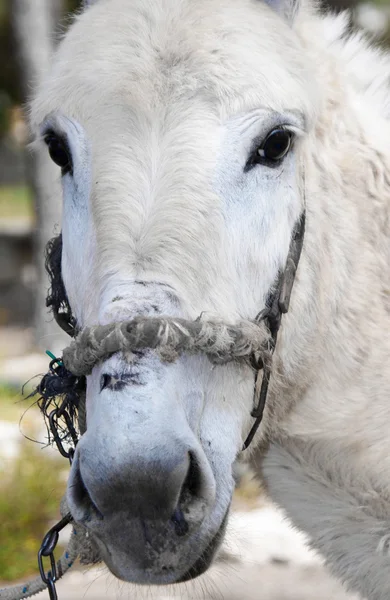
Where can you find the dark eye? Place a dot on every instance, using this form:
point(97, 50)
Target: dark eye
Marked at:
point(276, 145)
point(59, 152)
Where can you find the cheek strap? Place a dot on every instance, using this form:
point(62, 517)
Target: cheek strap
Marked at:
point(56, 299)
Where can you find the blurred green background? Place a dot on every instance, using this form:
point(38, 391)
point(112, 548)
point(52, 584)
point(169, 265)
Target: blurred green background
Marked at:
point(32, 480)
point(32, 477)
point(31, 488)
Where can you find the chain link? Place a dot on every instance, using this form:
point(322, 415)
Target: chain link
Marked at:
point(50, 540)
point(46, 550)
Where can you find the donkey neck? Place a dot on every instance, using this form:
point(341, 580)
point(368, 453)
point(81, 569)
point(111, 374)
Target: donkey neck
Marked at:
point(332, 369)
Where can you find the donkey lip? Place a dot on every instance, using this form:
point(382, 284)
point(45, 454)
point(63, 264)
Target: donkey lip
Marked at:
point(165, 576)
point(204, 561)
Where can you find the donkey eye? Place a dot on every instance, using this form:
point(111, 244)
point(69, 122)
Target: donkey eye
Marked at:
point(59, 152)
point(276, 145)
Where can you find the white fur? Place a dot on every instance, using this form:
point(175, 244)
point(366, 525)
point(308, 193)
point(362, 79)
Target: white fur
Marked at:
point(161, 102)
point(344, 510)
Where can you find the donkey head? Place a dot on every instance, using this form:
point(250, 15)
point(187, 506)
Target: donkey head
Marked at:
point(178, 129)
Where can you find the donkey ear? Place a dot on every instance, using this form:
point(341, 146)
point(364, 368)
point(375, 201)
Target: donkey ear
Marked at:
point(285, 8)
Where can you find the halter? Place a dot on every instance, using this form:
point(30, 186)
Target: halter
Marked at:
point(251, 342)
point(278, 305)
point(62, 390)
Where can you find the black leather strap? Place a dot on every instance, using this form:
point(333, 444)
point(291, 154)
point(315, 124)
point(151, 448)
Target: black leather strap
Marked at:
point(278, 305)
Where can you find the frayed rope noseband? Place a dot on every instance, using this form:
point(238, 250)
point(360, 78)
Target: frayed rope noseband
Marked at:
point(250, 342)
point(170, 337)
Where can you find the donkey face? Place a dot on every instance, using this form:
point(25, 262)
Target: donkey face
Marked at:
point(177, 126)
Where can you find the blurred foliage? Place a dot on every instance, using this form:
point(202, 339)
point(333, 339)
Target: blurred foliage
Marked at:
point(31, 487)
point(30, 492)
point(11, 407)
point(249, 492)
point(15, 202)
point(14, 404)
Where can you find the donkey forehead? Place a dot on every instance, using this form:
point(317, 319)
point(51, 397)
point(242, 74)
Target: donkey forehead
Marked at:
point(233, 55)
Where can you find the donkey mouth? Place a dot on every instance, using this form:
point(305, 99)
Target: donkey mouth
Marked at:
point(160, 574)
point(205, 560)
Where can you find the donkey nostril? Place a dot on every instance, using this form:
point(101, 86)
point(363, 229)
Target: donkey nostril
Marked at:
point(179, 522)
point(191, 488)
point(81, 497)
point(193, 482)
point(191, 503)
point(79, 491)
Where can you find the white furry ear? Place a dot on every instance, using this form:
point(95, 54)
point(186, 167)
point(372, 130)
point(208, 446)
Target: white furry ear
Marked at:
point(87, 3)
point(285, 8)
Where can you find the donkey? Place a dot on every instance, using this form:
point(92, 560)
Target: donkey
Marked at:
point(191, 137)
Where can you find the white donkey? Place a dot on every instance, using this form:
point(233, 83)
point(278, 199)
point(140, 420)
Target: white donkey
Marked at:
point(192, 134)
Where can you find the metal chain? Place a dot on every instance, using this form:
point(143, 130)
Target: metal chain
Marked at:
point(21, 591)
point(50, 540)
point(47, 548)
